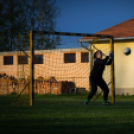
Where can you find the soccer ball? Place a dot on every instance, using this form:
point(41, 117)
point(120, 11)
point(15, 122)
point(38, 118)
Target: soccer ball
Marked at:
point(127, 51)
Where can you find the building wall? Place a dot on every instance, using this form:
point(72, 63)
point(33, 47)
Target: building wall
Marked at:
point(124, 69)
point(54, 65)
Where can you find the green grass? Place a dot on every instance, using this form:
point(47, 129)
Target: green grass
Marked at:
point(66, 115)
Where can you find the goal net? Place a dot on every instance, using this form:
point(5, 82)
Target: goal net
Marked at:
point(64, 61)
point(54, 63)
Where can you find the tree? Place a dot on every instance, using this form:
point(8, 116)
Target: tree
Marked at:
point(43, 18)
point(19, 17)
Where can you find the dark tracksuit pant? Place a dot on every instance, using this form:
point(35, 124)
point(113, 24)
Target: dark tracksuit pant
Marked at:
point(102, 84)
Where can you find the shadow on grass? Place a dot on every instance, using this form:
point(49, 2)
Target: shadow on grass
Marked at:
point(67, 115)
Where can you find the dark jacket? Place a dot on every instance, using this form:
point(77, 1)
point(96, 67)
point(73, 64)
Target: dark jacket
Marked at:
point(99, 66)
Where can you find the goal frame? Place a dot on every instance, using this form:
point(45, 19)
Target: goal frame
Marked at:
point(109, 37)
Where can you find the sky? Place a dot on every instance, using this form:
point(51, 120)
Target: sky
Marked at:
point(91, 16)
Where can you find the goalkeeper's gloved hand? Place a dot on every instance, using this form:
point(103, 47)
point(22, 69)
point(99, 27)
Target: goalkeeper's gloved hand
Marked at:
point(111, 54)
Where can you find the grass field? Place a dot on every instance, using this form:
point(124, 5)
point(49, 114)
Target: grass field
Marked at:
point(66, 115)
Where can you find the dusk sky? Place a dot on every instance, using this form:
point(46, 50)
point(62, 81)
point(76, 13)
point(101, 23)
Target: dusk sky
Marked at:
point(91, 16)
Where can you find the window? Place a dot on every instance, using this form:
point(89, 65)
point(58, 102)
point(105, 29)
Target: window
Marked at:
point(38, 59)
point(84, 57)
point(22, 60)
point(8, 60)
point(69, 58)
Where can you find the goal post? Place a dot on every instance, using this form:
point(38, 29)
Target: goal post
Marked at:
point(112, 72)
point(31, 69)
point(57, 34)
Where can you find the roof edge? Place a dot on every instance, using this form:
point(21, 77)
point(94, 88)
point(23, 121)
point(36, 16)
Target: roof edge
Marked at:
point(104, 40)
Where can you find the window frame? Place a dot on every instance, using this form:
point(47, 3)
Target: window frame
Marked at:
point(22, 56)
point(68, 60)
point(82, 57)
point(35, 60)
point(8, 63)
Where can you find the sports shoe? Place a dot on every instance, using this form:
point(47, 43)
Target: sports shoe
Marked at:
point(85, 103)
point(106, 103)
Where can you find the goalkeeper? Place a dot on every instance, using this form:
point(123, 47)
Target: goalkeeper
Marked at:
point(96, 76)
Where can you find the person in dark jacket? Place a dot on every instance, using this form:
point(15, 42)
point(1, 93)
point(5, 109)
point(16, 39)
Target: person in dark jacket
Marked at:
point(96, 76)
